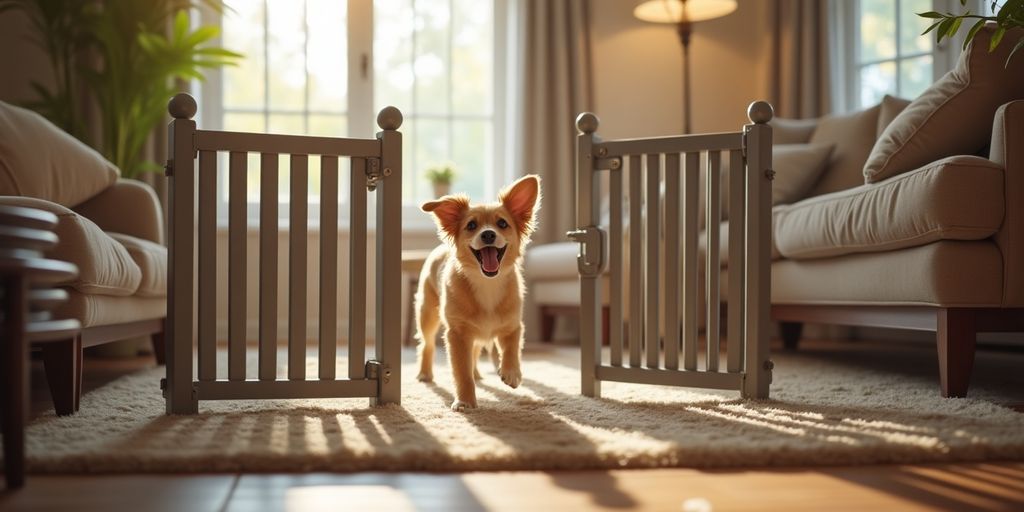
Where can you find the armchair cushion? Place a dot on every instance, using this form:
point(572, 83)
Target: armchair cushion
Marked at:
point(144, 218)
point(39, 160)
point(151, 258)
point(957, 198)
point(954, 115)
point(104, 266)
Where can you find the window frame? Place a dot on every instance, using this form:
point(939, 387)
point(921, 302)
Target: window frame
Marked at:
point(361, 116)
point(844, 25)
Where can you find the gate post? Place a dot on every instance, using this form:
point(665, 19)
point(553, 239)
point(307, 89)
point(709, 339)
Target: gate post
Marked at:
point(389, 260)
point(590, 258)
point(181, 152)
point(758, 149)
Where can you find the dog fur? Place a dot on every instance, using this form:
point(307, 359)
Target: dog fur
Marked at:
point(479, 308)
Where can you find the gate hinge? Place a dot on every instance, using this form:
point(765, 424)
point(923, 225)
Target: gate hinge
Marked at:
point(379, 371)
point(169, 168)
point(374, 173)
point(746, 130)
point(590, 258)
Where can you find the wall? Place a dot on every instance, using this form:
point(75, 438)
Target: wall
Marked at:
point(638, 70)
point(22, 60)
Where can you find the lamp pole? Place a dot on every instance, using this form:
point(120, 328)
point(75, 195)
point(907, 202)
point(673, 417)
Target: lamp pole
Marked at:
point(685, 28)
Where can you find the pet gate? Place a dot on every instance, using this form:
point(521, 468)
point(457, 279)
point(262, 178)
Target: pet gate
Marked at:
point(376, 165)
point(662, 292)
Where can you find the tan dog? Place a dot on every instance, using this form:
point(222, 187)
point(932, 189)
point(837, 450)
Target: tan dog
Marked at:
point(474, 285)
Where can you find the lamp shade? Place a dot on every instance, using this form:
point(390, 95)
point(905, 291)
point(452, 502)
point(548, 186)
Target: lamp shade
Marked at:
point(671, 11)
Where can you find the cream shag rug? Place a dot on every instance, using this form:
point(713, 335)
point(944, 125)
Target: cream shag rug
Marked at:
point(824, 410)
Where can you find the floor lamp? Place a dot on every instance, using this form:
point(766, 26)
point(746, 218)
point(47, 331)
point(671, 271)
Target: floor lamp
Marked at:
point(684, 13)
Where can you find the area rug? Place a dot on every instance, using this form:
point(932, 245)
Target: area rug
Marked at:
point(823, 411)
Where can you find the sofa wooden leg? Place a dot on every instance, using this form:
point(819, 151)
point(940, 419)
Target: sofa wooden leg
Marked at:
point(957, 335)
point(547, 324)
point(62, 361)
point(13, 382)
point(791, 332)
point(159, 347)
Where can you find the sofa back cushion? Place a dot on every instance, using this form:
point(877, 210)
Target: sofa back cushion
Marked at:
point(852, 136)
point(954, 115)
point(890, 107)
point(39, 160)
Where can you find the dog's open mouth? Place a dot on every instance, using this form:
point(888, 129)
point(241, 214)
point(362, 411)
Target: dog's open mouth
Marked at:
point(489, 258)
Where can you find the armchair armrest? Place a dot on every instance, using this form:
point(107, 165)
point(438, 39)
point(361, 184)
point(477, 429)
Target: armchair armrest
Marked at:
point(1007, 150)
point(129, 207)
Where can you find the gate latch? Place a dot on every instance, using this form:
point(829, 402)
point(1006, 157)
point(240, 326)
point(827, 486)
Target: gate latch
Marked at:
point(378, 371)
point(590, 258)
point(373, 174)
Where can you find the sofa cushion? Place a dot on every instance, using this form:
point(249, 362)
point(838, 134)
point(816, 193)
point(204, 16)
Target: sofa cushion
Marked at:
point(39, 160)
point(797, 168)
point(104, 266)
point(792, 131)
point(957, 198)
point(954, 115)
point(551, 261)
point(891, 107)
point(151, 258)
point(947, 273)
point(93, 310)
point(853, 135)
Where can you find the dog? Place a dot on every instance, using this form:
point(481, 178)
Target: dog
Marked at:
point(473, 285)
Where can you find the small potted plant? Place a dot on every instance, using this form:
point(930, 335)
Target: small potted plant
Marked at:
point(441, 176)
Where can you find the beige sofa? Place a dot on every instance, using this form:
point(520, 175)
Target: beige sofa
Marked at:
point(906, 227)
point(110, 228)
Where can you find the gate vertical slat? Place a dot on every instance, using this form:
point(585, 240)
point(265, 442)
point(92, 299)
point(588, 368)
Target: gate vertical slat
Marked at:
point(207, 268)
point(690, 301)
point(615, 265)
point(389, 259)
point(671, 283)
point(328, 267)
point(652, 274)
point(758, 263)
point(357, 270)
point(636, 269)
point(298, 209)
point(237, 232)
point(737, 255)
point(268, 266)
point(713, 263)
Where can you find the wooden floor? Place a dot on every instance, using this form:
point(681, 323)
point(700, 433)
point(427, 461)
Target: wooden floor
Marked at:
point(983, 486)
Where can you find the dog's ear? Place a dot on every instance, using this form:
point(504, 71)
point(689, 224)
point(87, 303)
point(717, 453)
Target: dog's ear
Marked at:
point(522, 200)
point(448, 212)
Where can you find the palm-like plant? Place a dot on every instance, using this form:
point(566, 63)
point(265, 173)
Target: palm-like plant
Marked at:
point(129, 54)
point(1009, 15)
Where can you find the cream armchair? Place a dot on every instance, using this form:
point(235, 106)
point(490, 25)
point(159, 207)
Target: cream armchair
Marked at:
point(111, 229)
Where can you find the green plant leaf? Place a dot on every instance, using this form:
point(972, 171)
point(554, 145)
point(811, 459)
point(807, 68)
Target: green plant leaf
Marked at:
point(931, 14)
point(997, 36)
point(1018, 46)
point(955, 26)
point(973, 32)
point(943, 28)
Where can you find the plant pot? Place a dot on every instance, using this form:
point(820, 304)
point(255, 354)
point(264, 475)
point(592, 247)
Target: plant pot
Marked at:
point(442, 189)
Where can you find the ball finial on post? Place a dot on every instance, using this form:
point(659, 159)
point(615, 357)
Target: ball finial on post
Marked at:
point(760, 112)
point(389, 118)
point(587, 122)
point(182, 106)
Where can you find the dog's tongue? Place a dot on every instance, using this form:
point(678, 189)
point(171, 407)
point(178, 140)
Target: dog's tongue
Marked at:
point(489, 255)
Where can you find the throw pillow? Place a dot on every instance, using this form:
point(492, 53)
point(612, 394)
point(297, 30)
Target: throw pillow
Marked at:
point(39, 160)
point(891, 107)
point(954, 115)
point(853, 135)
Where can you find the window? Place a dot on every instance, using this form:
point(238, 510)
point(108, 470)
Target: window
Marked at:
point(878, 49)
point(326, 67)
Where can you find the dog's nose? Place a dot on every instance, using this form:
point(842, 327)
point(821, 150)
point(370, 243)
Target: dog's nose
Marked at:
point(488, 236)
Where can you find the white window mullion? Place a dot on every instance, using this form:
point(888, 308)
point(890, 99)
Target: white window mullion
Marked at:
point(361, 120)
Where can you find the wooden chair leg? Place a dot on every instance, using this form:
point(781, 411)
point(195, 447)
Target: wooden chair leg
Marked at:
point(606, 325)
point(547, 324)
point(957, 335)
point(62, 361)
point(14, 386)
point(791, 333)
point(159, 340)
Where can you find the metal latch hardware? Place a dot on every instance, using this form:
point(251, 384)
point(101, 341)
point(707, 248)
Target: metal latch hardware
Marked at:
point(373, 174)
point(590, 258)
point(378, 371)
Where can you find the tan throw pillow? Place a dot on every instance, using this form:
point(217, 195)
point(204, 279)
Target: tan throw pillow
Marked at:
point(954, 115)
point(39, 160)
point(797, 168)
point(853, 135)
point(792, 131)
point(891, 107)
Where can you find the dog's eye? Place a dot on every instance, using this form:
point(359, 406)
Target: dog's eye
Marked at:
point(471, 226)
point(502, 224)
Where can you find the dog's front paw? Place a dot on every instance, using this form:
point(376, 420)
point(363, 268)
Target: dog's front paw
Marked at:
point(513, 377)
point(425, 377)
point(460, 406)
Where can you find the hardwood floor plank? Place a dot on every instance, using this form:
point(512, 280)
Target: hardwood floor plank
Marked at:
point(105, 493)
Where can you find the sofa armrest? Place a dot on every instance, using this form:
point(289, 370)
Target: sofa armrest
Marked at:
point(129, 207)
point(1007, 150)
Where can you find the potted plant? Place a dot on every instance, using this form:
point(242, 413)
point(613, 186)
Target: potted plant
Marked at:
point(1008, 15)
point(441, 176)
point(126, 55)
